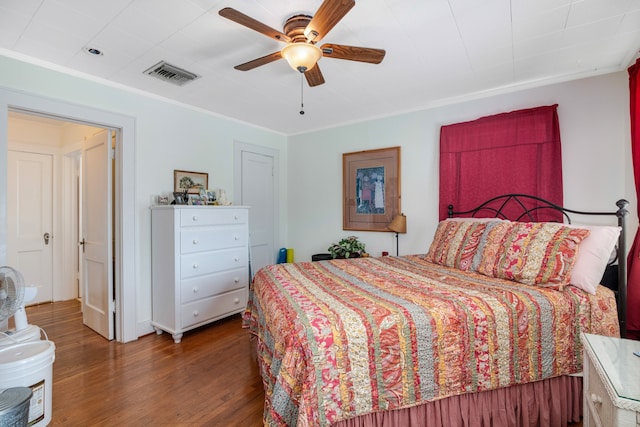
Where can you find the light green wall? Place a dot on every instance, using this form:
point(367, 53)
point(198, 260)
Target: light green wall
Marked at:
point(167, 137)
point(594, 126)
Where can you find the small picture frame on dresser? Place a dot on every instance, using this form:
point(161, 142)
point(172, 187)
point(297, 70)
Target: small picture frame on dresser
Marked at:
point(197, 200)
point(179, 198)
point(211, 197)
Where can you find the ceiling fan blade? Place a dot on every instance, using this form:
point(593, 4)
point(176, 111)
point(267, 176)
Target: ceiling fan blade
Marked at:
point(259, 61)
point(314, 76)
point(327, 16)
point(249, 22)
point(353, 53)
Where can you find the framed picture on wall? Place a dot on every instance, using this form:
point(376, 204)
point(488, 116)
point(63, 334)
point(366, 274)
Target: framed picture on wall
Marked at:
point(371, 189)
point(192, 182)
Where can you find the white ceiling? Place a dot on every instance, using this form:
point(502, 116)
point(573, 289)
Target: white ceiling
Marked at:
point(438, 51)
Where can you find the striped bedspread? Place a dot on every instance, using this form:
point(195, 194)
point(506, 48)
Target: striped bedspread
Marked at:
point(341, 338)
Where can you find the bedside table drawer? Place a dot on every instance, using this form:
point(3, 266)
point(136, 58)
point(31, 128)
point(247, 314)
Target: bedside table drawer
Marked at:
point(601, 408)
point(612, 381)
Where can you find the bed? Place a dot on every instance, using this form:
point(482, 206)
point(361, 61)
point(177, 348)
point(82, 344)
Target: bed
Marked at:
point(482, 330)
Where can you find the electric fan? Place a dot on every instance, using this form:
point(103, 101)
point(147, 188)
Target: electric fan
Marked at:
point(13, 295)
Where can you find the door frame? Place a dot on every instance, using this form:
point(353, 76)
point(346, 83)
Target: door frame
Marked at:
point(124, 277)
point(240, 147)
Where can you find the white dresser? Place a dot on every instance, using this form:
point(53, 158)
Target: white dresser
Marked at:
point(200, 265)
point(611, 382)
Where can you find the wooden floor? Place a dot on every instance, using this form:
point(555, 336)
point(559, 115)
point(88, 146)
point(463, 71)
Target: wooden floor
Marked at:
point(210, 379)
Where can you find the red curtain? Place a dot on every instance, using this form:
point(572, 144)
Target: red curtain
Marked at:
point(633, 263)
point(515, 152)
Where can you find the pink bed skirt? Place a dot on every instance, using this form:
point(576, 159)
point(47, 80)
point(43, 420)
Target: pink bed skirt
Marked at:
point(552, 402)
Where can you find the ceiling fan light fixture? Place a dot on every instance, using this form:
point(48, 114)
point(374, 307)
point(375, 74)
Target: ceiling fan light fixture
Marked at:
point(301, 56)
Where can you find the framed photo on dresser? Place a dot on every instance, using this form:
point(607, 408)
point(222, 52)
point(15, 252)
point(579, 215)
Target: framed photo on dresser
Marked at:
point(180, 198)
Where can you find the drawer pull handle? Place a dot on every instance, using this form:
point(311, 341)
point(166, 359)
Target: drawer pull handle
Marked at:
point(196, 290)
point(196, 313)
point(236, 217)
point(596, 399)
point(195, 217)
point(236, 238)
point(195, 241)
point(195, 266)
point(236, 259)
point(236, 279)
point(236, 301)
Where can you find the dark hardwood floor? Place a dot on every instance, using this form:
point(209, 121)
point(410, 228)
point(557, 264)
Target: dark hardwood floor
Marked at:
point(210, 379)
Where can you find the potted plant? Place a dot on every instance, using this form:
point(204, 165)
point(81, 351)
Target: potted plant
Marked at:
point(349, 247)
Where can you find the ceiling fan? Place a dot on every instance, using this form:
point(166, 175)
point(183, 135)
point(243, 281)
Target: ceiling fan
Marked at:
point(301, 33)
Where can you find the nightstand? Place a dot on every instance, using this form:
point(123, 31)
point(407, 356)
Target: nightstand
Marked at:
point(611, 382)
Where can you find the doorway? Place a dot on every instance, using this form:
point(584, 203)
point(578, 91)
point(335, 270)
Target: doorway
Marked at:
point(40, 228)
point(126, 327)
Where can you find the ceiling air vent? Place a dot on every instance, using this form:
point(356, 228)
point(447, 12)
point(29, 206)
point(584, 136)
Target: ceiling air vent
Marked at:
point(171, 73)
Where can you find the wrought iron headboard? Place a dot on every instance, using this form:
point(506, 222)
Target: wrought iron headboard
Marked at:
point(496, 207)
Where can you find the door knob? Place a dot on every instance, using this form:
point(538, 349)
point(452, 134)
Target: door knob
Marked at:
point(46, 237)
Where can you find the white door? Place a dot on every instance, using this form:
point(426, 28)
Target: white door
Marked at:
point(96, 269)
point(29, 219)
point(257, 193)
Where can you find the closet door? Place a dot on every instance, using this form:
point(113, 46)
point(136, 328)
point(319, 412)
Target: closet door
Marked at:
point(258, 193)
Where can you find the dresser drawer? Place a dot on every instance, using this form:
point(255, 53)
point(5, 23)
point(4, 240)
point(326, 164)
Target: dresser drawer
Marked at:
point(196, 217)
point(202, 263)
point(601, 408)
point(213, 284)
point(209, 240)
point(209, 308)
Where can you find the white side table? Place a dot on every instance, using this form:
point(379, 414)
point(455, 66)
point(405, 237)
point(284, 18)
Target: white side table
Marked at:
point(611, 382)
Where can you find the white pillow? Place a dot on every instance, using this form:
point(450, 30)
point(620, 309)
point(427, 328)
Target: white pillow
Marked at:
point(593, 256)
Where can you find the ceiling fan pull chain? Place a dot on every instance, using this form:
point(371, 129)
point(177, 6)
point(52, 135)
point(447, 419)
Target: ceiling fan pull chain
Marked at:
point(301, 94)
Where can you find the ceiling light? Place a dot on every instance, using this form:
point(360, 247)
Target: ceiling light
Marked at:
point(301, 56)
point(93, 51)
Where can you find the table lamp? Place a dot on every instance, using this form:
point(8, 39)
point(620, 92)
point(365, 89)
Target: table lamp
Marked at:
point(399, 225)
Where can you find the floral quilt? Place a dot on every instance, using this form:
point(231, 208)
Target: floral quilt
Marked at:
point(341, 338)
